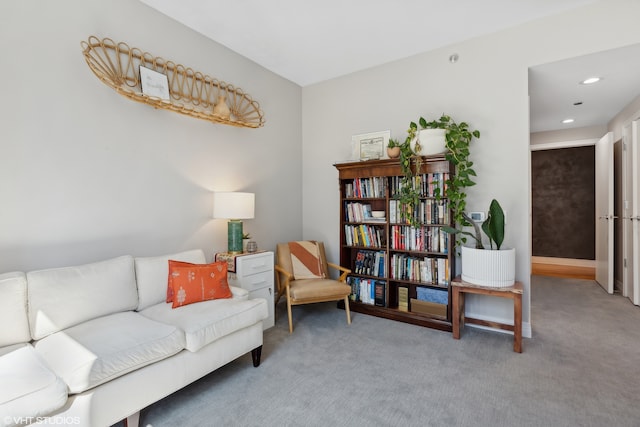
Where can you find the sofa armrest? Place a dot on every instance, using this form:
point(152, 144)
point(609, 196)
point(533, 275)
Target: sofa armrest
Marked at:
point(239, 292)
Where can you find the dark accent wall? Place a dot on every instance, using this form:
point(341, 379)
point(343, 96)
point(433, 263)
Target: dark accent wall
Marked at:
point(563, 202)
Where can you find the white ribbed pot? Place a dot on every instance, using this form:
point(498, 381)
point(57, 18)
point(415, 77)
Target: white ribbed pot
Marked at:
point(486, 267)
point(432, 141)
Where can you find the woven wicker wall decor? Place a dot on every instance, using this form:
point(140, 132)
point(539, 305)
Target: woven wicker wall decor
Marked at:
point(191, 93)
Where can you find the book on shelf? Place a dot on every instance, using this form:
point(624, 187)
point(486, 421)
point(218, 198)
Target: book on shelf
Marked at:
point(379, 293)
point(365, 290)
point(439, 296)
point(403, 298)
point(427, 183)
point(366, 211)
point(365, 235)
point(370, 263)
point(393, 205)
point(362, 188)
point(428, 270)
point(429, 308)
point(359, 263)
point(443, 272)
point(360, 212)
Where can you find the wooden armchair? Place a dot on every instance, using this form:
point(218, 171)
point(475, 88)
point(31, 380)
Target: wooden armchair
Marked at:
point(308, 290)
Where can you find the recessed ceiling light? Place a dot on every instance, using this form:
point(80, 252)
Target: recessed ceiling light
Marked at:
point(590, 80)
point(567, 121)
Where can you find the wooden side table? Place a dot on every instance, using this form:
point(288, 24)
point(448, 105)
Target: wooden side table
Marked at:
point(460, 288)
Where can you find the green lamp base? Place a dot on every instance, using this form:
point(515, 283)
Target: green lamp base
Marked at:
point(234, 236)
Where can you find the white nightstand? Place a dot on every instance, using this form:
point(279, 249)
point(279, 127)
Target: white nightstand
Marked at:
point(254, 272)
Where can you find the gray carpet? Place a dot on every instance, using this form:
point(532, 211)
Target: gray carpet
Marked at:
point(581, 368)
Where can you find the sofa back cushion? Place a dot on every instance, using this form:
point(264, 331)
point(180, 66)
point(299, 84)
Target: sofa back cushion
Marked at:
point(63, 297)
point(13, 309)
point(152, 275)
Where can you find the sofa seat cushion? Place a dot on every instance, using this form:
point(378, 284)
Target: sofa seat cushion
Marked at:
point(10, 348)
point(28, 387)
point(206, 321)
point(102, 349)
point(318, 288)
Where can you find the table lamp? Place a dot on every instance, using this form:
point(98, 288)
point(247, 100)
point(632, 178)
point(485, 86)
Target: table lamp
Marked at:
point(233, 206)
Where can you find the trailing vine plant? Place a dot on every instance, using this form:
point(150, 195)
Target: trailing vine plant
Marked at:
point(458, 139)
point(410, 164)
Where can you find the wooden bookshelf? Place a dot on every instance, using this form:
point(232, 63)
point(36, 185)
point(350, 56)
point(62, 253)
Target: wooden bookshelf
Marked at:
point(390, 251)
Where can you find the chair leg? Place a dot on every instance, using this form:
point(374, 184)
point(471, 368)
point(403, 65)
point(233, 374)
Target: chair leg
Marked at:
point(289, 313)
point(346, 308)
point(279, 293)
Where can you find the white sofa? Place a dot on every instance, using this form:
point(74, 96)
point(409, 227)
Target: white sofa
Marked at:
point(93, 344)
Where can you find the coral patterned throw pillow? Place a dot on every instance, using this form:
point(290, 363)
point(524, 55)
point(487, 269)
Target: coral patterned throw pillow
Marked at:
point(198, 282)
point(173, 264)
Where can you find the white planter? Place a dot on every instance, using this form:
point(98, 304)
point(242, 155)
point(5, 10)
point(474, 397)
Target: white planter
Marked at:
point(492, 268)
point(432, 141)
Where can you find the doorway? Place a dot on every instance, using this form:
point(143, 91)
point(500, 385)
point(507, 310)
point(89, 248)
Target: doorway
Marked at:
point(563, 210)
point(555, 94)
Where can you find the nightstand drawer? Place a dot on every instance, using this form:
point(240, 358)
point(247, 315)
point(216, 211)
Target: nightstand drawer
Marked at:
point(250, 283)
point(254, 273)
point(246, 266)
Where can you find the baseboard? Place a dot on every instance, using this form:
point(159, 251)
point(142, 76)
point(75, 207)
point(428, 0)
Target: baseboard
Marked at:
point(563, 267)
point(564, 261)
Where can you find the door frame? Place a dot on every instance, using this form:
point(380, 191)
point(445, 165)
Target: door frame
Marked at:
point(630, 285)
point(554, 146)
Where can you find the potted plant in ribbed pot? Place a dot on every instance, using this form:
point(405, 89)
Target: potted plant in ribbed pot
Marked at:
point(493, 267)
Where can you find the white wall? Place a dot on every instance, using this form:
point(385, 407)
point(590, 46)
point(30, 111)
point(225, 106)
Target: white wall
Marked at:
point(583, 135)
point(87, 174)
point(629, 113)
point(487, 88)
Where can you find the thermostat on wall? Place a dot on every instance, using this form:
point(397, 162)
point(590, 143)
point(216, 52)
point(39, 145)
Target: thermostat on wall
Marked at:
point(477, 216)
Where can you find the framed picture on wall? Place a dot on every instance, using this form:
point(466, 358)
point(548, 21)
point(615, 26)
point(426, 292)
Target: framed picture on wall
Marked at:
point(154, 83)
point(370, 146)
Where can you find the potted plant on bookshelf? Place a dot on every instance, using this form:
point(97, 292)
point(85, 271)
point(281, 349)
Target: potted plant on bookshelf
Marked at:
point(393, 148)
point(492, 267)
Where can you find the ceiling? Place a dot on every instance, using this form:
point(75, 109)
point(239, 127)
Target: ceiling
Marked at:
point(311, 41)
point(554, 89)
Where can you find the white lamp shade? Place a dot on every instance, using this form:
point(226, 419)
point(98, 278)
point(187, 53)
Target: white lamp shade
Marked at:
point(232, 205)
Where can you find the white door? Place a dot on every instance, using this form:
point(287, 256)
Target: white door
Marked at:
point(604, 212)
point(627, 211)
point(635, 195)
